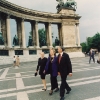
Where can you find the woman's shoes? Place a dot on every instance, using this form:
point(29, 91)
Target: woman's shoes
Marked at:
point(44, 89)
point(51, 92)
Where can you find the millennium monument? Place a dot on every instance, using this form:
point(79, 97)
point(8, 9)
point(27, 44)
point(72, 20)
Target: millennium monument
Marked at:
point(68, 30)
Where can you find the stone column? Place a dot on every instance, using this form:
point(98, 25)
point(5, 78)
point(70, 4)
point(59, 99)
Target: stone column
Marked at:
point(0, 22)
point(19, 31)
point(50, 34)
point(33, 33)
point(23, 34)
point(60, 34)
point(78, 34)
point(8, 32)
point(47, 34)
point(37, 35)
point(4, 29)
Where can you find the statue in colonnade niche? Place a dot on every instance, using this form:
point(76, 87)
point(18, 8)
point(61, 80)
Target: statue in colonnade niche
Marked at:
point(30, 41)
point(1, 39)
point(57, 42)
point(43, 42)
point(15, 41)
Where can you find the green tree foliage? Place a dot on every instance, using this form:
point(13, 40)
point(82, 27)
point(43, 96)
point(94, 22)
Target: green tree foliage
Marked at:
point(92, 42)
point(84, 47)
point(42, 36)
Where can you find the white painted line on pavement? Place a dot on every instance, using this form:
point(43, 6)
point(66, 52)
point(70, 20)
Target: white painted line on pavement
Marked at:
point(19, 84)
point(4, 73)
point(39, 90)
point(7, 90)
point(96, 98)
point(18, 75)
point(22, 96)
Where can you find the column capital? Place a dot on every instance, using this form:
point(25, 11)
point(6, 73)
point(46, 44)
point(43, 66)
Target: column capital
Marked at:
point(8, 16)
point(77, 24)
point(49, 23)
point(23, 19)
point(36, 22)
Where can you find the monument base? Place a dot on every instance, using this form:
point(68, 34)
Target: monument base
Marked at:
point(26, 57)
point(44, 47)
point(2, 46)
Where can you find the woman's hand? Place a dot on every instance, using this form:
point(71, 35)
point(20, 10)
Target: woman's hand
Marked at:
point(58, 73)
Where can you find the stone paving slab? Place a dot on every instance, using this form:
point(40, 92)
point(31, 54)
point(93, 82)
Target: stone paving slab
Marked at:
point(15, 82)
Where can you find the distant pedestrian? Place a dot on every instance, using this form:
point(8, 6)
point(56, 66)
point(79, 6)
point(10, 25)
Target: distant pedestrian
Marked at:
point(14, 61)
point(17, 61)
point(91, 54)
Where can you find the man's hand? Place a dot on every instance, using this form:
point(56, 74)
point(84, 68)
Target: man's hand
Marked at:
point(58, 73)
point(44, 71)
point(70, 74)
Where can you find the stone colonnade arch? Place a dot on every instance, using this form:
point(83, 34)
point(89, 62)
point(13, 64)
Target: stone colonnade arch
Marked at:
point(66, 20)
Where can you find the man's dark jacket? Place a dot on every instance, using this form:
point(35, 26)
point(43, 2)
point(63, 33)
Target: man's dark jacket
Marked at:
point(65, 66)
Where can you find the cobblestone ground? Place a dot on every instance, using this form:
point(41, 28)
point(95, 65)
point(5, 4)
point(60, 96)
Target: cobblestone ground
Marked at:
point(20, 83)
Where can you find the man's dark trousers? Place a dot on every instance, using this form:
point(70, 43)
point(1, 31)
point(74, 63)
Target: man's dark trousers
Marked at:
point(64, 86)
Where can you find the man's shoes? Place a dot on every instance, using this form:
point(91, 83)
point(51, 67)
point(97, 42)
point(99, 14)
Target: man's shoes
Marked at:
point(62, 98)
point(56, 90)
point(51, 92)
point(68, 91)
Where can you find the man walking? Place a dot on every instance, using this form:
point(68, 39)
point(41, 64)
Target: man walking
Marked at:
point(64, 69)
point(91, 54)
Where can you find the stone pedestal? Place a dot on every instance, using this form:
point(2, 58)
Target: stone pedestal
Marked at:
point(38, 52)
point(44, 47)
point(31, 47)
point(2, 46)
point(67, 29)
point(11, 53)
point(68, 32)
point(67, 11)
point(16, 46)
point(26, 52)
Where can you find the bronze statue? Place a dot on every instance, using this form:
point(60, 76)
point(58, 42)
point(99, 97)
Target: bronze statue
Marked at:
point(1, 39)
point(43, 42)
point(15, 41)
point(30, 41)
point(68, 4)
point(57, 42)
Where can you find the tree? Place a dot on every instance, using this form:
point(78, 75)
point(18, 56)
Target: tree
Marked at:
point(42, 37)
point(92, 42)
point(96, 41)
point(84, 47)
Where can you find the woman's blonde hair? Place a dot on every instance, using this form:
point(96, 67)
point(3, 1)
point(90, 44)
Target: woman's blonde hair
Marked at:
point(53, 51)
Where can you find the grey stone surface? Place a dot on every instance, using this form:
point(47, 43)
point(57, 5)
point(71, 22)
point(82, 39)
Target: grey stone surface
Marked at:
point(85, 82)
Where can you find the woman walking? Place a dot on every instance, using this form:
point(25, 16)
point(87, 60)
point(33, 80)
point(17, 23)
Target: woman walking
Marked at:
point(41, 65)
point(52, 66)
point(17, 61)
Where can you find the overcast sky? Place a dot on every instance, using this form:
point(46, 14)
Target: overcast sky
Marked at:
point(88, 9)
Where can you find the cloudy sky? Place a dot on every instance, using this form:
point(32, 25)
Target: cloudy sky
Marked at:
point(88, 9)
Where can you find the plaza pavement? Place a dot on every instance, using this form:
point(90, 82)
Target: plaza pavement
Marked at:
point(20, 83)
